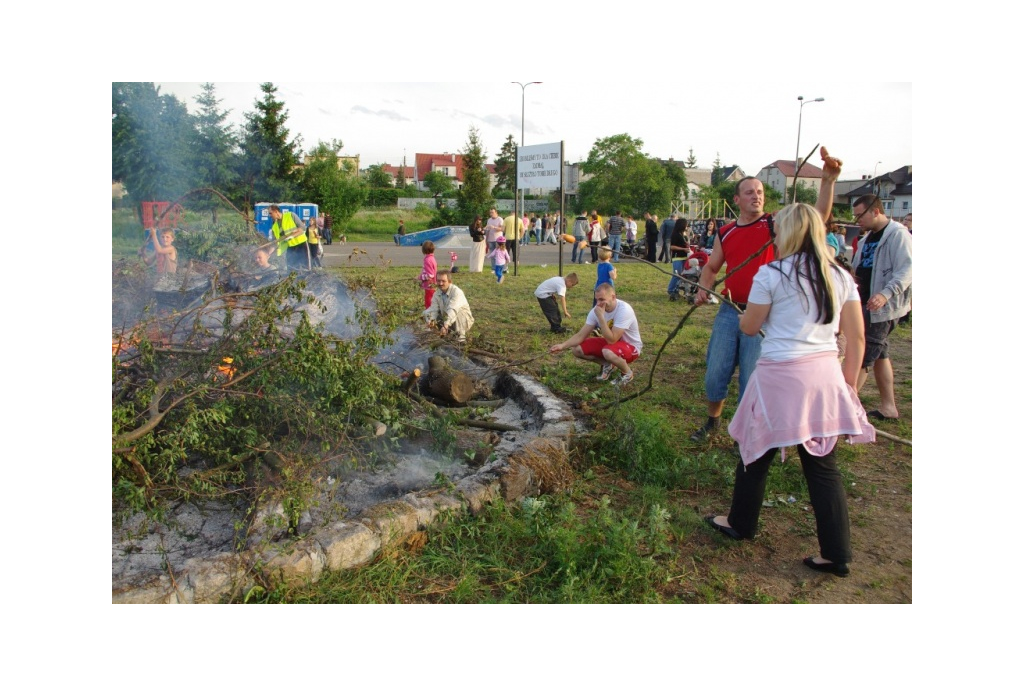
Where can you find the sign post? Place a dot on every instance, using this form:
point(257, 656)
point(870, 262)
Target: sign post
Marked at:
point(539, 166)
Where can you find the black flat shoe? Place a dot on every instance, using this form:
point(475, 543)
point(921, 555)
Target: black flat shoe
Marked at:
point(841, 570)
point(723, 529)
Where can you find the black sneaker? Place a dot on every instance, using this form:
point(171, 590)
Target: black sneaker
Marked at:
point(705, 432)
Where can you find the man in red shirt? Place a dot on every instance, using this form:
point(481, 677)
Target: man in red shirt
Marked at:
point(735, 242)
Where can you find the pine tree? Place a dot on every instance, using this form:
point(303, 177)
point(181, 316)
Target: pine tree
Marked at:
point(269, 159)
point(475, 194)
point(214, 150)
point(691, 161)
point(505, 165)
point(150, 134)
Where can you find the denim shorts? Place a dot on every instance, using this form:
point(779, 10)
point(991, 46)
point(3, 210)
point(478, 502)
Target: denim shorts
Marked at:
point(876, 339)
point(728, 348)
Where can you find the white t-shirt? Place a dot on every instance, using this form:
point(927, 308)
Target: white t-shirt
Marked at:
point(621, 317)
point(792, 329)
point(553, 286)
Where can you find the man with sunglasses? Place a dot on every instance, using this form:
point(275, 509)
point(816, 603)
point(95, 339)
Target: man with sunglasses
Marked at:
point(883, 266)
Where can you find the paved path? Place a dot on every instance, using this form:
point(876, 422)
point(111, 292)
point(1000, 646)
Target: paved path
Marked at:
point(340, 254)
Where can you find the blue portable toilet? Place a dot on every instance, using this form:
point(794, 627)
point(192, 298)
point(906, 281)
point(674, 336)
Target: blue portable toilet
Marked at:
point(263, 220)
point(307, 210)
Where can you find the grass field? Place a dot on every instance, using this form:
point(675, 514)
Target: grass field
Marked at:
point(630, 527)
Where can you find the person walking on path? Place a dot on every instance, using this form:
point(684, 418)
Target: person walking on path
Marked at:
point(494, 227)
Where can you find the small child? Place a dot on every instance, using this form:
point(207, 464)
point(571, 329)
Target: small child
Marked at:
point(166, 255)
point(606, 272)
point(428, 277)
point(316, 251)
point(263, 258)
point(501, 258)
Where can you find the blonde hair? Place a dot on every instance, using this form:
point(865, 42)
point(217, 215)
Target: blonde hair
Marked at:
point(800, 231)
point(604, 252)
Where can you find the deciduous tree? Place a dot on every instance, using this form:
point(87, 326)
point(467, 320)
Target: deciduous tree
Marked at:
point(438, 184)
point(623, 177)
point(338, 192)
point(376, 177)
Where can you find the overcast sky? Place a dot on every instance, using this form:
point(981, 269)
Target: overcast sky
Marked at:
point(861, 124)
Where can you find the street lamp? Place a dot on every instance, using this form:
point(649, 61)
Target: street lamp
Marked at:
point(875, 172)
point(522, 119)
point(796, 158)
point(522, 143)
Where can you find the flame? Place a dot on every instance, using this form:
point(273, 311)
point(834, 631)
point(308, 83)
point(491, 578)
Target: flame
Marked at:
point(227, 368)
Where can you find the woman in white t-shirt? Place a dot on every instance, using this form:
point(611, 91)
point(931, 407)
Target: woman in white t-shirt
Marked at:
point(799, 394)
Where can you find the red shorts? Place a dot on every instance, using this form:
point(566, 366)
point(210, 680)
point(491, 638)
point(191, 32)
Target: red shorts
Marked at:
point(593, 347)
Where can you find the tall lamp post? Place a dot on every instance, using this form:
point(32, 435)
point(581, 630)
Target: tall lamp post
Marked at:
point(522, 143)
point(799, 125)
point(522, 118)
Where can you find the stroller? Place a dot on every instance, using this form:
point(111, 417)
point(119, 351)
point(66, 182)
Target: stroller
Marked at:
point(687, 274)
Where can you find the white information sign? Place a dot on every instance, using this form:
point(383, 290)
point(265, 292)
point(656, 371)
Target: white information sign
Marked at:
point(539, 166)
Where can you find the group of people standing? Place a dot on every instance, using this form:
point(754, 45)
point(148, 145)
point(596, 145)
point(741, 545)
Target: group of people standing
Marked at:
point(791, 390)
point(782, 313)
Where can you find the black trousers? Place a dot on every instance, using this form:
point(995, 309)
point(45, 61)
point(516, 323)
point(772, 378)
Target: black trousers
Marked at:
point(549, 305)
point(828, 499)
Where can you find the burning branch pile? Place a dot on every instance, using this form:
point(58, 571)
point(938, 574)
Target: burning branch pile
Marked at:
point(238, 392)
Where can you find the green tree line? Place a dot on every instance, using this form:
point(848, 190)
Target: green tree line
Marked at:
point(160, 151)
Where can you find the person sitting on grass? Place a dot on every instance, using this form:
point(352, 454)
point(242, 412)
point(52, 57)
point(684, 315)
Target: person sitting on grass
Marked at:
point(619, 342)
point(449, 310)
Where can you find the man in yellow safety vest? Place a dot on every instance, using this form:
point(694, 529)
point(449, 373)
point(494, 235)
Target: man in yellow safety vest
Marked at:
point(290, 233)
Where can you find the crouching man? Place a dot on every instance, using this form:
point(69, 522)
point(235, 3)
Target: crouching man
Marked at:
point(619, 343)
point(449, 310)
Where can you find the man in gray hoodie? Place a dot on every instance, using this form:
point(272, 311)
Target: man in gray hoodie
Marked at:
point(883, 266)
